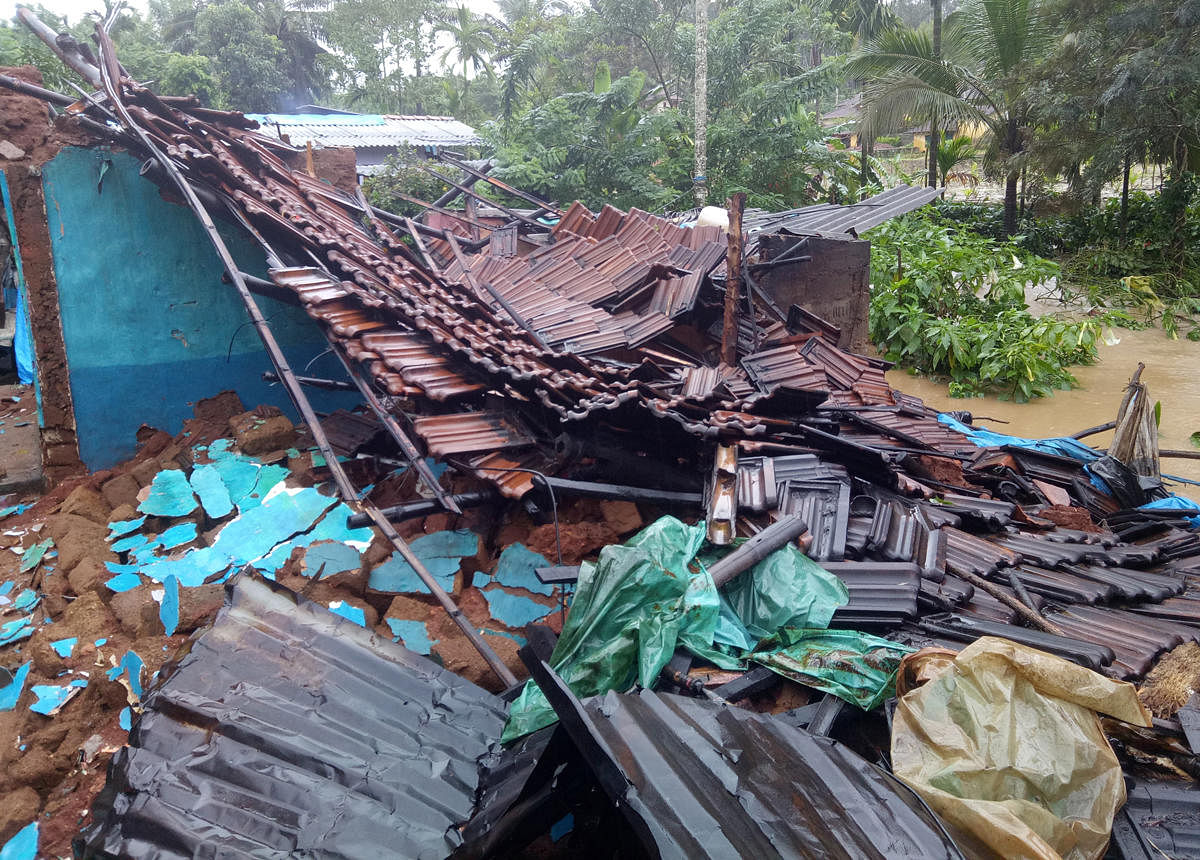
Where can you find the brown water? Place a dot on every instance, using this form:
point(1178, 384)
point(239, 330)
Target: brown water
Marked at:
point(1172, 376)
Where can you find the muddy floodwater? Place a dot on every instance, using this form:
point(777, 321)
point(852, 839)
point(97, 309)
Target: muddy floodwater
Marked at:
point(1172, 375)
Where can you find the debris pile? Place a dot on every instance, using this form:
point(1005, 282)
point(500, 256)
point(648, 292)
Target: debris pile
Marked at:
point(806, 535)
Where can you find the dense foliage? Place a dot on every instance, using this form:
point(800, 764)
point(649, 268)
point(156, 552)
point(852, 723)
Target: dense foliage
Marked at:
point(1148, 261)
point(949, 302)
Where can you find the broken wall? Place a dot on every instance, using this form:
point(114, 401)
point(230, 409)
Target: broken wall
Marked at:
point(147, 325)
point(834, 284)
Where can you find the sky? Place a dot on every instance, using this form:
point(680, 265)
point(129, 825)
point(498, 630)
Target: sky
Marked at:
point(74, 10)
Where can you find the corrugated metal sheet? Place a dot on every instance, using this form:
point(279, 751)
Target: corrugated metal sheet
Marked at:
point(286, 730)
point(364, 131)
point(828, 218)
point(710, 780)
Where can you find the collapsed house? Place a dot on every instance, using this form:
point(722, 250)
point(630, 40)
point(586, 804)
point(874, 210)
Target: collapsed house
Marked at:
point(613, 354)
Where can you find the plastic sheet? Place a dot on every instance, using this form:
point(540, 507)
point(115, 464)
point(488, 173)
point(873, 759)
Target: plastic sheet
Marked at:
point(785, 589)
point(1188, 509)
point(643, 600)
point(1119, 481)
point(627, 616)
point(1003, 743)
point(1061, 446)
point(857, 667)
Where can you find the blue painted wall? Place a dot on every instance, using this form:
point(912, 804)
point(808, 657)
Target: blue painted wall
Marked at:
point(148, 325)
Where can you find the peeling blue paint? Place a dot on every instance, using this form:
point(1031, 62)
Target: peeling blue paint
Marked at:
point(331, 527)
point(247, 538)
point(114, 567)
point(123, 527)
point(330, 558)
point(23, 846)
point(346, 610)
point(168, 610)
point(170, 495)
point(64, 647)
point(32, 557)
point(268, 477)
point(514, 610)
point(11, 692)
point(177, 535)
point(131, 665)
point(16, 630)
point(520, 640)
point(441, 553)
point(27, 599)
point(414, 634)
point(515, 569)
point(125, 720)
point(52, 696)
point(131, 543)
point(214, 495)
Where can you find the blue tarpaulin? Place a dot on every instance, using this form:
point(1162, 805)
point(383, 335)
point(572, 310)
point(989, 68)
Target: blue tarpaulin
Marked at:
point(1059, 446)
point(22, 336)
point(1188, 509)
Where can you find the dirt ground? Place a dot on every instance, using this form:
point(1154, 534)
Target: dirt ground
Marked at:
point(20, 440)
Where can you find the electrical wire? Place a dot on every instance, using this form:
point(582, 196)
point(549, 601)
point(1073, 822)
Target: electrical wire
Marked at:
point(545, 481)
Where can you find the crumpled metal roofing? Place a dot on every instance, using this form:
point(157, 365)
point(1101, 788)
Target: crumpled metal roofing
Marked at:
point(365, 131)
point(288, 730)
point(711, 780)
point(830, 218)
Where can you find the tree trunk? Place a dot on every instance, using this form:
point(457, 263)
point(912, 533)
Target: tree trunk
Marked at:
point(699, 181)
point(1021, 210)
point(864, 152)
point(1125, 200)
point(932, 151)
point(933, 120)
point(1010, 203)
point(1010, 183)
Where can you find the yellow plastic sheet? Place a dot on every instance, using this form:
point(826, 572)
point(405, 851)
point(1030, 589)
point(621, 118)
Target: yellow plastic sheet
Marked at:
point(1004, 744)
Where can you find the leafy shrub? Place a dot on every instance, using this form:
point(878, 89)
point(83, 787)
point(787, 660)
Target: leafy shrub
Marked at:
point(948, 301)
point(1154, 268)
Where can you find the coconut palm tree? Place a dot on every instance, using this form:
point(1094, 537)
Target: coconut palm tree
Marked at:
point(985, 46)
point(472, 42)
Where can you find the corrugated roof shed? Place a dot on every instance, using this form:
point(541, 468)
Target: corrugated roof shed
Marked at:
point(286, 730)
point(830, 218)
point(366, 131)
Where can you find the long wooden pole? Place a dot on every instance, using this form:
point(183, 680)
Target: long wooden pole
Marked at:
point(110, 80)
point(733, 279)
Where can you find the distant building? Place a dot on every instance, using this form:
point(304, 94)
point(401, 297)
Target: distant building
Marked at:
point(372, 136)
point(842, 121)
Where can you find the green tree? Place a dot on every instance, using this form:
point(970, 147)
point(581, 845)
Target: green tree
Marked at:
point(382, 50)
point(1121, 86)
point(190, 74)
point(249, 63)
point(19, 47)
point(951, 153)
point(277, 40)
point(472, 43)
point(987, 46)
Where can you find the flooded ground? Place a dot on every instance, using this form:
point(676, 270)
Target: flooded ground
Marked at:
point(1172, 375)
